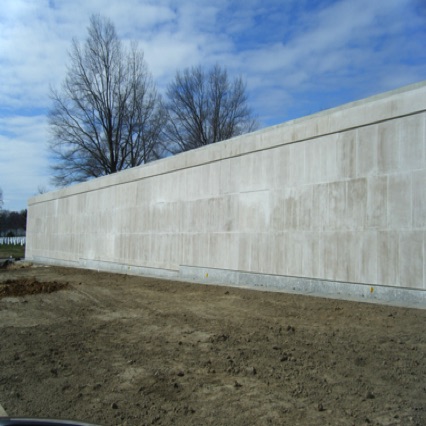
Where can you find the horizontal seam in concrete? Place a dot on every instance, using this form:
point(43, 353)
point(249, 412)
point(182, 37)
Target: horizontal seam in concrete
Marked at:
point(202, 163)
point(262, 274)
point(77, 263)
point(389, 295)
point(129, 264)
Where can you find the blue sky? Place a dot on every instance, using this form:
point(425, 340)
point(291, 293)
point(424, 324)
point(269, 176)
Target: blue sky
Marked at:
point(298, 57)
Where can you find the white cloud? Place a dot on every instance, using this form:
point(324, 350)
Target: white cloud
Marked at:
point(344, 45)
point(32, 53)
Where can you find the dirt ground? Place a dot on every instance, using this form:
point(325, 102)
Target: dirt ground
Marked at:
point(112, 349)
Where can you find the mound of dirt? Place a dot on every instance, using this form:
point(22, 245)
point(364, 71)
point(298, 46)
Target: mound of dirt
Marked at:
point(27, 286)
point(12, 264)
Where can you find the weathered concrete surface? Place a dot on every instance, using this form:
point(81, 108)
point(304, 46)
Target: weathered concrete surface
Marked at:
point(334, 197)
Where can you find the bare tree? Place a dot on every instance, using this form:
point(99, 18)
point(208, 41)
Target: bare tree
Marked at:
point(107, 116)
point(41, 189)
point(205, 107)
point(1, 198)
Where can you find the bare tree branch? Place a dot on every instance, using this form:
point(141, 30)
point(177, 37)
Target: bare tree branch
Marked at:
point(108, 115)
point(204, 108)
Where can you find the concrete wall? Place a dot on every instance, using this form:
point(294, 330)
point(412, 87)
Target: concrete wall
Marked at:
point(333, 203)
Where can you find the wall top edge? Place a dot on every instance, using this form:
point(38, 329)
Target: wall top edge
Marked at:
point(385, 106)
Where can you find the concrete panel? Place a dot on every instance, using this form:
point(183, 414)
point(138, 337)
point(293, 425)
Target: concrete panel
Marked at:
point(312, 161)
point(356, 204)
point(279, 262)
point(261, 253)
point(335, 197)
point(282, 167)
point(294, 257)
point(377, 203)
point(190, 245)
point(276, 202)
point(320, 206)
point(214, 183)
point(337, 205)
point(266, 169)
point(225, 177)
point(296, 165)
point(251, 172)
point(412, 142)
point(289, 209)
point(244, 252)
point(328, 255)
point(304, 207)
point(388, 264)
point(399, 201)
point(328, 158)
point(424, 260)
point(411, 258)
point(346, 155)
point(254, 211)
point(388, 154)
point(368, 258)
point(418, 196)
point(311, 254)
point(348, 252)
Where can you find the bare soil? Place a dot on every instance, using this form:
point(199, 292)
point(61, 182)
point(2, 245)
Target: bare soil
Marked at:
point(120, 350)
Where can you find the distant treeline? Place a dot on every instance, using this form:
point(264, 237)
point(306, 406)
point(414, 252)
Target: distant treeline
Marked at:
point(13, 224)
